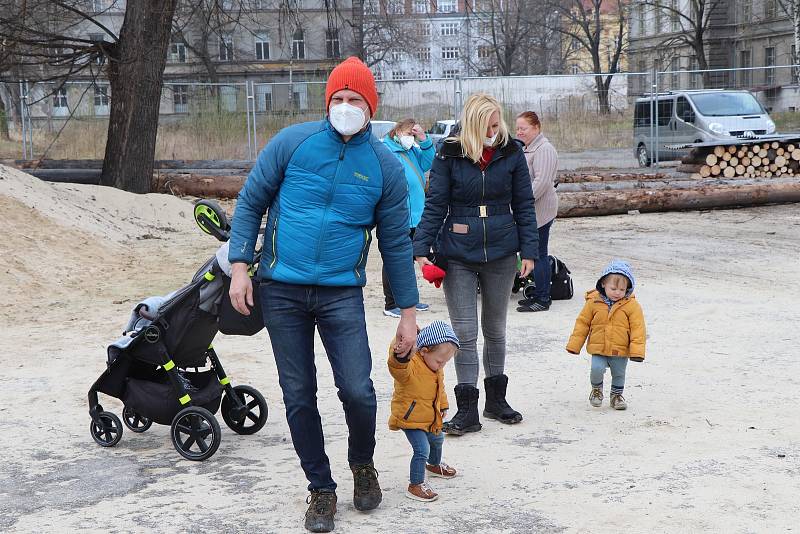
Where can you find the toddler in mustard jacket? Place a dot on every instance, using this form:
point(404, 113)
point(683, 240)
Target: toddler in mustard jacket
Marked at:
point(419, 402)
point(614, 323)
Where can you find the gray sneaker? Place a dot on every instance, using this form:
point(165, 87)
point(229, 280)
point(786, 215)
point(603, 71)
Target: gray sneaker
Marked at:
point(321, 509)
point(618, 402)
point(596, 397)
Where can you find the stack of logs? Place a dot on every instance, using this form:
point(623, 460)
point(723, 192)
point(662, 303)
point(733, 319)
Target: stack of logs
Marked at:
point(761, 160)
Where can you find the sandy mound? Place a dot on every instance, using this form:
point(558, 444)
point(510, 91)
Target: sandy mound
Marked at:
point(106, 212)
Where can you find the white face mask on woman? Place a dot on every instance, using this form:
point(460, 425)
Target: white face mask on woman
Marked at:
point(489, 141)
point(347, 119)
point(406, 141)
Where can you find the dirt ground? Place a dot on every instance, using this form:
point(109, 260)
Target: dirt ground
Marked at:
point(710, 442)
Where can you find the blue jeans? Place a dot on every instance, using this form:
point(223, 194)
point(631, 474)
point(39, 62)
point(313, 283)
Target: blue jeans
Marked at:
point(541, 268)
point(290, 314)
point(427, 449)
point(617, 365)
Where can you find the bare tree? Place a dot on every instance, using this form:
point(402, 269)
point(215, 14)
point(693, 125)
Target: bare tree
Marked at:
point(46, 40)
point(792, 10)
point(585, 22)
point(379, 28)
point(693, 20)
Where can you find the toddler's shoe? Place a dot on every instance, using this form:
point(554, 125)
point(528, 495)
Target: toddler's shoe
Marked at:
point(442, 470)
point(394, 312)
point(421, 492)
point(618, 402)
point(596, 397)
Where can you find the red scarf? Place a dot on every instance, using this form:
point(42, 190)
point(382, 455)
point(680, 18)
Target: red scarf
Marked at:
point(488, 152)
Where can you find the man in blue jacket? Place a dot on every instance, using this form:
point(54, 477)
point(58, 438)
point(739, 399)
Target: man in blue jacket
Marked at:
point(325, 185)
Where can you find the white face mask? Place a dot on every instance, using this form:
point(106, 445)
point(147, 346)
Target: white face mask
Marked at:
point(489, 141)
point(406, 141)
point(347, 119)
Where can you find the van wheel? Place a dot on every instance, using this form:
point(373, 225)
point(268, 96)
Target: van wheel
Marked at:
point(642, 156)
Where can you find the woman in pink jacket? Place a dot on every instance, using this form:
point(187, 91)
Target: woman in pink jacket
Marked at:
point(542, 161)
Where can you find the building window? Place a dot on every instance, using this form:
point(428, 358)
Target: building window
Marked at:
point(449, 52)
point(575, 69)
point(450, 73)
point(694, 77)
point(446, 6)
point(485, 28)
point(100, 58)
point(262, 47)
point(332, 44)
point(424, 74)
point(769, 61)
point(674, 66)
point(770, 9)
point(657, 15)
point(258, 5)
point(795, 70)
point(398, 75)
point(263, 97)
point(423, 54)
point(423, 30)
point(674, 16)
point(378, 75)
point(101, 100)
point(395, 7)
point(180, 98)
point(747, 11)
point(421, 6)
point(484, 52)
point(298, 45)
point(98, 5)
point(228, 98)
point(177, 53)
point(640, 19)
point(745, 63)
point(60, 106)
point(226, 47)
point(371, 7)
point(449, 28)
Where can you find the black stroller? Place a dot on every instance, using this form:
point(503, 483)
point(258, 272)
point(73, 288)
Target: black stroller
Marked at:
point(150, 366)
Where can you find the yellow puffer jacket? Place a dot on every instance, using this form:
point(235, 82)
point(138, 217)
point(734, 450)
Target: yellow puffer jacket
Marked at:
point(619, 331)
point(419, 396)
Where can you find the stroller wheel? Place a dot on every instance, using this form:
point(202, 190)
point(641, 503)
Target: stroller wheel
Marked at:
point(134, 421)
point(195, 433)
point(529, 290)
point(107, 430)
point(253, 414)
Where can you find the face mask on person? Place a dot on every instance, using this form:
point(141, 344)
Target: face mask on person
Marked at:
point(489, 141)
point(406, 141)
point(347, 119)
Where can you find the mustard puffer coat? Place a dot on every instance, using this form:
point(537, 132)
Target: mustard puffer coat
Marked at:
point(619, 331)
point(419, 395)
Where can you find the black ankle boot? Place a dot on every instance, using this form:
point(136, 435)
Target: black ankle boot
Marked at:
point(496, 406)
point(466, 418)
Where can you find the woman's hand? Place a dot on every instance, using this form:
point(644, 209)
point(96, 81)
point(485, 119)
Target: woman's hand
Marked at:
point(422, 261)
point(526, 268)
point(241, 291)
point(418, 133)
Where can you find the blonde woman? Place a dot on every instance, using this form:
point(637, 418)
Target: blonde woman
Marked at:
point(480, 200)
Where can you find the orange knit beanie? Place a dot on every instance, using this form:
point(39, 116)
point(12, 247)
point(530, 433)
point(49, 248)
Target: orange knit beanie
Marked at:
point(353, 74)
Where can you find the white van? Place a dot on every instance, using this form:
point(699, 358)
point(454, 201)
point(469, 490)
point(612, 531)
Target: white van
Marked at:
point(695, 117)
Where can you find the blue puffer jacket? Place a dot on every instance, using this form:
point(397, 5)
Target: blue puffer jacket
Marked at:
point(458, 188)
point(324, 197)
point(416, 162)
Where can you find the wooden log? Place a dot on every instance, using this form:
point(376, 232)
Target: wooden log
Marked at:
point(775, 145)
point(733, 162)
point(750, 169)
point(740, 170)
point(796, 154)
point(711, 159)
point(664, 184)
point(158, 164)
point(745, 161)
point(726, 156)
point(772, 154)
point(198, 185)
point(715, 170)
point(749, 153)
point(756, 161)
point(790, 148)
point(568, 177)
point(723, 165)
point(705, 171)
point(689, 168)
point(740, 153)
point(732, 149)
point(719, 151)
point(780, 151)
point(620, 202)
point(73, 176)
point(773, 167)
point(780, 161)
point(729, 172)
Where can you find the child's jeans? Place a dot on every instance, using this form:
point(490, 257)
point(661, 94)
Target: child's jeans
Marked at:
point(617, 365)
point(427, 448)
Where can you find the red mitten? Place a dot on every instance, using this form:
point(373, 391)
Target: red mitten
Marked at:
point(433, 274)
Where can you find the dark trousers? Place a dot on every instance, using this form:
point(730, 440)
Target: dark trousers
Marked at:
point(388, 297)
point(291, 313)
point(541, 269)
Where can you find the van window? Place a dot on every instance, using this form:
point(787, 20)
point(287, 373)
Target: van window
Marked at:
point(665, 111)
point(684, 110)
point(726, 104)
point(641, 114)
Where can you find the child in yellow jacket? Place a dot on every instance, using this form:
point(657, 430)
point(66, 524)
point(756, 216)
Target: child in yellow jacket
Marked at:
point(614, 323)
point(419, 402)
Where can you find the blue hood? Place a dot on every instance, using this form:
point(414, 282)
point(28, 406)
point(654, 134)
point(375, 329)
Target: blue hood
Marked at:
point(617, 267)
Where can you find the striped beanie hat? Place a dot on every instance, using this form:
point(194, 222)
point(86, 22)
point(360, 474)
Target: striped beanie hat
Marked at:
point(435, 333)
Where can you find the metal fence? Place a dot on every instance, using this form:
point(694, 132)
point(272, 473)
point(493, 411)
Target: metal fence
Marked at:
point(234, 120)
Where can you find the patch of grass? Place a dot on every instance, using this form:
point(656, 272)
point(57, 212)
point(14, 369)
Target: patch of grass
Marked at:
point(786, 121)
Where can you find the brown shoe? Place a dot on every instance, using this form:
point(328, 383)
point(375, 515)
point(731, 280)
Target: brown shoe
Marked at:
point(421, 492)
point(442, 470)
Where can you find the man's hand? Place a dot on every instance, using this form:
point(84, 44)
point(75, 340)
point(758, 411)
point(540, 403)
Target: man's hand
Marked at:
point(422, 261)
point(406, 331)
point(418, 133)
point(526, 268)
point(241, 289)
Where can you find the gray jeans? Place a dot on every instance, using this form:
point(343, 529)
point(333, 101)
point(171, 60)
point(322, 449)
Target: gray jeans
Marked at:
point(461, 291)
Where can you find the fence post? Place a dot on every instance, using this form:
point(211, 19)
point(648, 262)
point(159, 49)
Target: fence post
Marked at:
point(658, 126)
point(22, 121)
point(456, 97)
point(247, 118)
point(255, 130)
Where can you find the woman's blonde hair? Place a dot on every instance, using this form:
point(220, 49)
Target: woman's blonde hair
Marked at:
point(475, 121)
